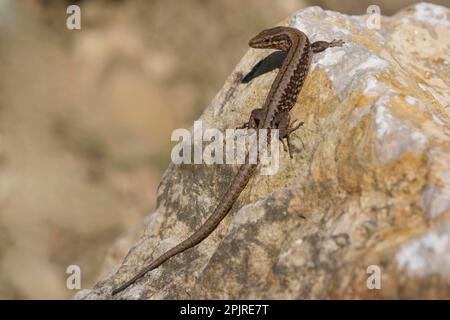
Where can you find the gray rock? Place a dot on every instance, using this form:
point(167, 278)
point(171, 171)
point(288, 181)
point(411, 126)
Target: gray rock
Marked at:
point(368, 192)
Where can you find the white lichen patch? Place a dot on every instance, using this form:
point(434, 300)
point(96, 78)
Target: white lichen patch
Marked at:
point(135, 292)
point(358, 114)
point(411, 100)
point(249, 213)
point(436, 195)
point(427, 255)
point(431, 14)
point(349, 65)
point(285, 254)
point(440, 121)
point(374, 87)
point(350, 71)
point(435, 200)
point(373, 62)
point(331, 57)
point(394, 137)
point(83, 294)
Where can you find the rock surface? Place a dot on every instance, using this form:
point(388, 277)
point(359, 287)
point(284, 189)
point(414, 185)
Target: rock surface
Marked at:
point(368, 189)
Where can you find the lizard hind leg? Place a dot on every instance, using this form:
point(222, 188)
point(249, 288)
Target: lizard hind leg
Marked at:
point(283, 122)
point(291, 128)
point(256, 116)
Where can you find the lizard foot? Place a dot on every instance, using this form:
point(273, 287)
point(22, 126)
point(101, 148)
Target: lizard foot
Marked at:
point(292, 126)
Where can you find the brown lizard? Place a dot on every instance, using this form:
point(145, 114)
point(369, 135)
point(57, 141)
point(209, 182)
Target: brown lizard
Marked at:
point(273, 115)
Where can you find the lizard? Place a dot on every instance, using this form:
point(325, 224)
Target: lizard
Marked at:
point(274, 114)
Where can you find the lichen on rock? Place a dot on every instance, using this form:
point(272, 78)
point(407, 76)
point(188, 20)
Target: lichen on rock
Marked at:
point(369, 185)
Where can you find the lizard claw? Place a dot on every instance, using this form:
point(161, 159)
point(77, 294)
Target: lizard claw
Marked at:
point(295, 125)
point(337, 43)
point(284, 145)
point(244, 126)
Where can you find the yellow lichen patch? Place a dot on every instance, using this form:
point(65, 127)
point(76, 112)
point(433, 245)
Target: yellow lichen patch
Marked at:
point(390, 78)
point(354, 155)
point(418, 119)
point(410, 85)
point(315, 99)
point(402, 109)
point(364, 100)
point(405, 176)
point(369, 42)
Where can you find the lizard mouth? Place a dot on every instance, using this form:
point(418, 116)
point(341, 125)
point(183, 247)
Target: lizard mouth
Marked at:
point(253, 43)
point(261, 40)
point(268, 38)
point(257, 42)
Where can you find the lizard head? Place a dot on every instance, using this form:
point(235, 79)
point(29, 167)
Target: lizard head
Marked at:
point(275, 38)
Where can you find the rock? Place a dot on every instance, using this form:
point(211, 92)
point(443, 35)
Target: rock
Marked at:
point(367, 195)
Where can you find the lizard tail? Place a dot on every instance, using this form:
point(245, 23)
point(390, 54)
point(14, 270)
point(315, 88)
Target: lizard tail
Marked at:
point(156, 263)
point(240, 181)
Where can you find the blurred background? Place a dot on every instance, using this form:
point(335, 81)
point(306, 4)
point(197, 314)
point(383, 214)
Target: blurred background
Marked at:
point(86, 117)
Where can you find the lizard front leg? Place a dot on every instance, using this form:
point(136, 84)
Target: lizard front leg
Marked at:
point(320, 46)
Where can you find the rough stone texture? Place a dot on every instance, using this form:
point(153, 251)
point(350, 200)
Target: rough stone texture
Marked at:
point(370, 187)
